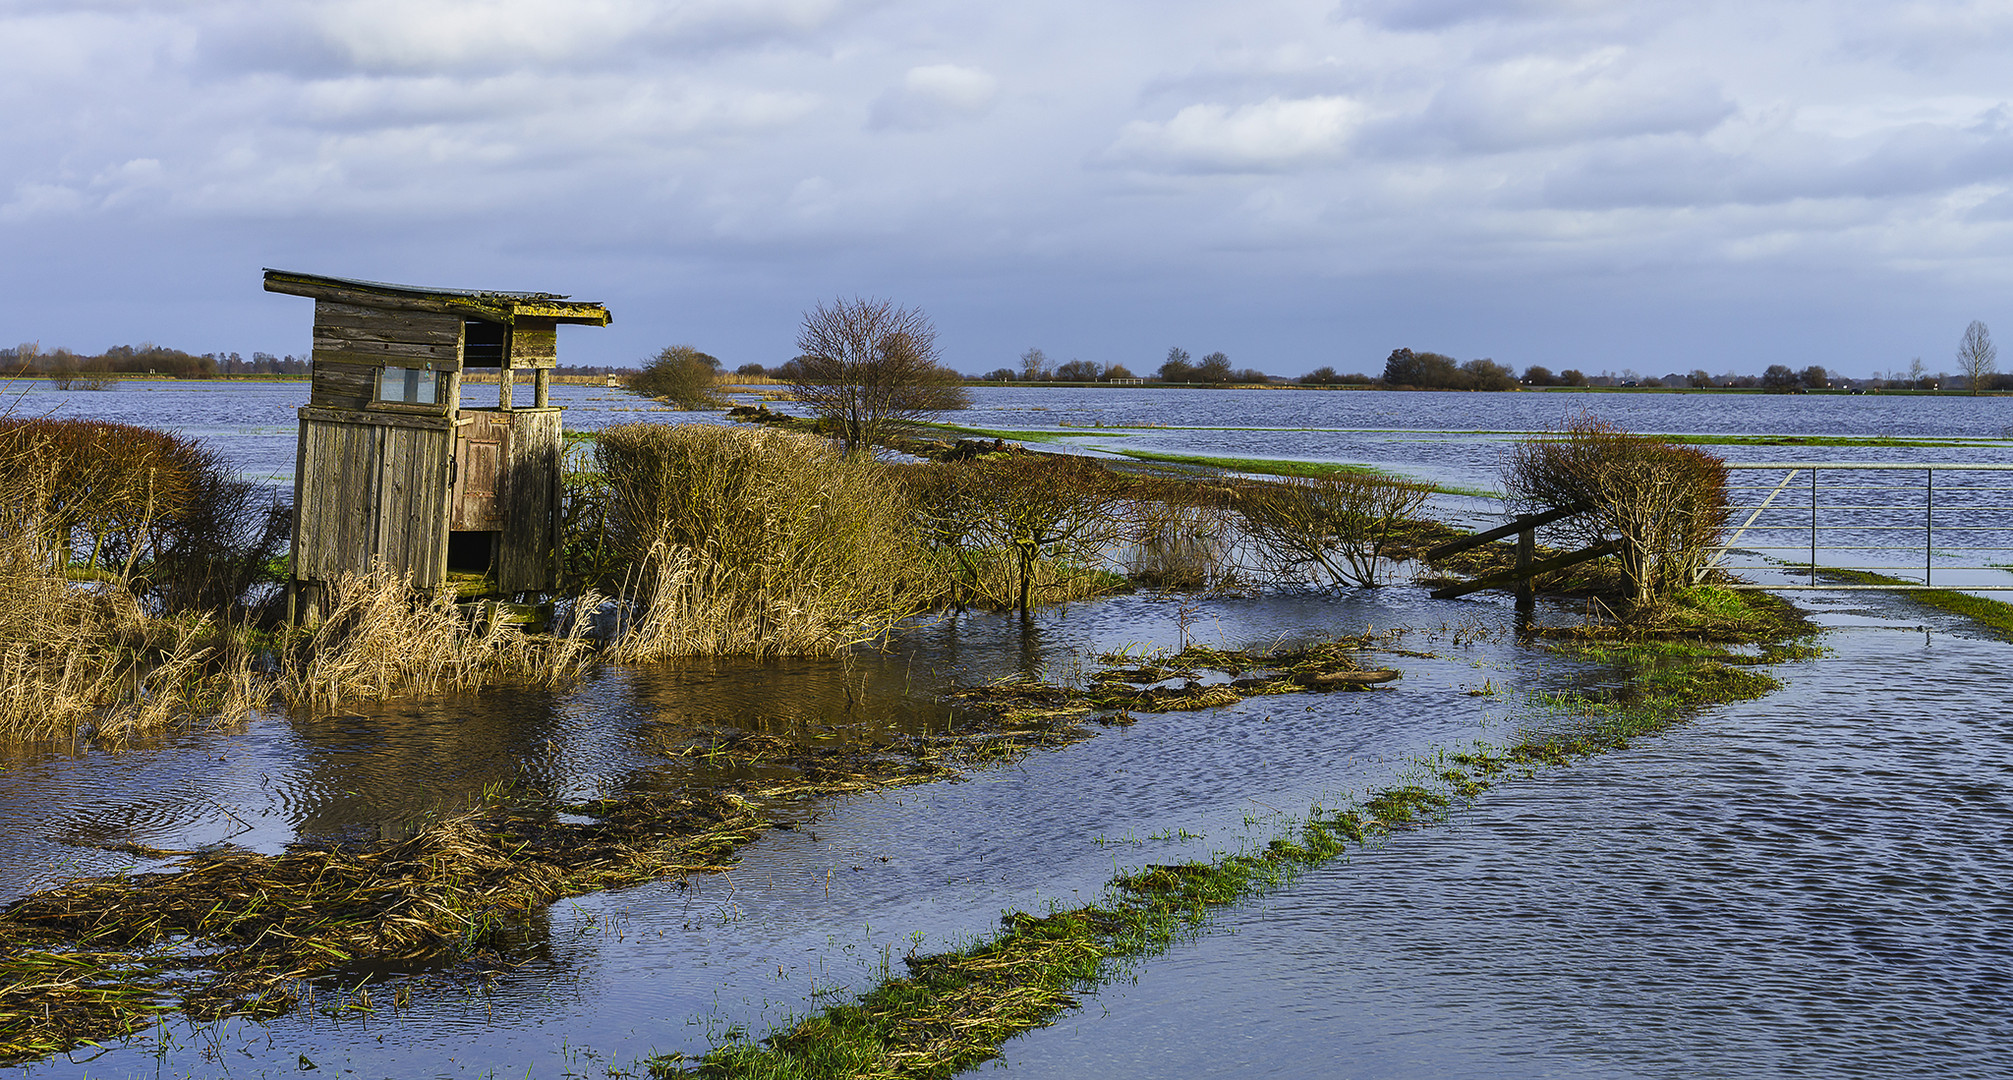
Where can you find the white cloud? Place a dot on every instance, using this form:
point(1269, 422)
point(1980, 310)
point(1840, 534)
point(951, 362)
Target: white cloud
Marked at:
point(1269, 136)
point(503, 35)
point(934, 95)
point(1531, 101)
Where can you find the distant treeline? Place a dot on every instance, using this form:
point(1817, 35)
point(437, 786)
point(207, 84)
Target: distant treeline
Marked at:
point(150, 359)
point(145, 359)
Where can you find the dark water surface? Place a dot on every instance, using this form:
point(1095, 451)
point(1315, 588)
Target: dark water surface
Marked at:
point(1814, 884)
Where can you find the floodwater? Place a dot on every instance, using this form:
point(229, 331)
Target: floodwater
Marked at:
point(1811, 884)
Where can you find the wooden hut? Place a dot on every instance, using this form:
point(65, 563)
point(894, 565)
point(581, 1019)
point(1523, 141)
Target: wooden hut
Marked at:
point(394, 468)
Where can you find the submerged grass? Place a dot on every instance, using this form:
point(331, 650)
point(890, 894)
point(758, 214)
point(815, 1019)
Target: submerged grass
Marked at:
point(235, 933)
point(954, 1010)
point(1868, 441)
point(1198, 677)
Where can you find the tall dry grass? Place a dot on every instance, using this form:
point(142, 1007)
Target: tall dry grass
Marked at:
point(84, 658)
point(380, 639)
point(756, 541)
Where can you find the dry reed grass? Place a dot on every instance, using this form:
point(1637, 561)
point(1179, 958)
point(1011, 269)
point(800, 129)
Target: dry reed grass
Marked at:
point(83, 658)
point(756, 541)
point(378, 639)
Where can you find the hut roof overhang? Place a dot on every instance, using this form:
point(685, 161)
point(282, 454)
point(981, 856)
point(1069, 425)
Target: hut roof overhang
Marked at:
point(491, 306)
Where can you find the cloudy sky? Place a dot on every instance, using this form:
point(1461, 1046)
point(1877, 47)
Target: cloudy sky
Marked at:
point(1603, 184)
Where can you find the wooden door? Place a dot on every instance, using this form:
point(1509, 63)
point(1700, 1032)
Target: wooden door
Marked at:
point(481, 453)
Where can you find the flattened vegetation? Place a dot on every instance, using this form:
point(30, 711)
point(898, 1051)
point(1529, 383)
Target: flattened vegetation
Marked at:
point(1198, 677)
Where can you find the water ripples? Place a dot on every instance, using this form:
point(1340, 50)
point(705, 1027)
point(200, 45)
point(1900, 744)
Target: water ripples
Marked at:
point(1808, 885)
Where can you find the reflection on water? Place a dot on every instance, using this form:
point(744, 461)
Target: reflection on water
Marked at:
point(812, 908)
point(364, 772)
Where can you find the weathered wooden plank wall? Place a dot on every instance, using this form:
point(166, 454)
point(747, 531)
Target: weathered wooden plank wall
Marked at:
point(349, 334)
point(534, 343)
point(342, 386)
point(372, 492)
point(529, 499)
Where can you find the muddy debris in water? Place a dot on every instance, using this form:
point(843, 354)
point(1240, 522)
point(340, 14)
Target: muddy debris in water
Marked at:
point(1207, 678)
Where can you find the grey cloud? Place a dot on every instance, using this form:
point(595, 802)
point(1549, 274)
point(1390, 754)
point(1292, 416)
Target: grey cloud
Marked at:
point(1783, 166)
point(1931, 34)
point(1426, 15)
point(266, 39)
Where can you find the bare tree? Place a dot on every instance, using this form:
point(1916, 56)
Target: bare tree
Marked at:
point(1056, 516)
point(867, 364)
point(1034, 365)
point(1976, 355)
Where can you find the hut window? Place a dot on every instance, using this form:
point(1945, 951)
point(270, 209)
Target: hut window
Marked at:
point(482, 343)
point(413, 386)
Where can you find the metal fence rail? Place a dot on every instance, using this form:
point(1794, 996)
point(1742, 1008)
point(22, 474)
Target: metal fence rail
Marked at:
point(1906, 522)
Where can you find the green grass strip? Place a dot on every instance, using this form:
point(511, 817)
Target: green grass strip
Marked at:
point(1285, 467)
point(1007, 433)
point(1874, 441)
point(954, 1010)
point(1995, 615)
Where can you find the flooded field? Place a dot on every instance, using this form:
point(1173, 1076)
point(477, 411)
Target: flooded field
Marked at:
point(1808, 884)
point(1812, 884)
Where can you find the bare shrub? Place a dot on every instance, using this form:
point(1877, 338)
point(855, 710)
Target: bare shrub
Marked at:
point(682, 375)
point(867, 364)
point(945, 502)
point(1181, 535)
point(96, 484)
point(1333, 529)
point(1665, 504)
point(157, 511)
point(756, 541)
point(1057, 518)
point(379, 639)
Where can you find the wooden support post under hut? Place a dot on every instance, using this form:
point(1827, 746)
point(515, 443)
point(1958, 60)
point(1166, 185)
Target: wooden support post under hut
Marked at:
point(395, 470)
